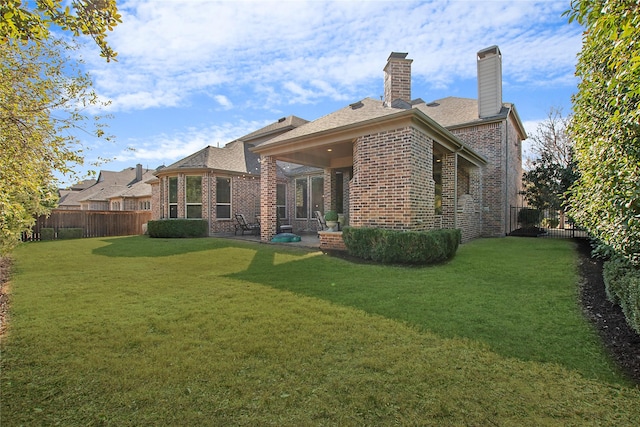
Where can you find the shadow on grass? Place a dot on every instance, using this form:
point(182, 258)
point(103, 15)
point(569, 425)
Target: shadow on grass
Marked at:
point(145, 246)
point(460, 299)
point(531, 322)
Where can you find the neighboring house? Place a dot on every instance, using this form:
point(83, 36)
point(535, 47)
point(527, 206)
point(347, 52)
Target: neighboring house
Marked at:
point(397, 163)
point(126, 190)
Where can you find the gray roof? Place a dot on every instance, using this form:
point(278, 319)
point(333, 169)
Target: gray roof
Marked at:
point(233, 157)
point(361, 111)
point(110, 185)
point(453, 111)
point(282, 125)
point(448, 112)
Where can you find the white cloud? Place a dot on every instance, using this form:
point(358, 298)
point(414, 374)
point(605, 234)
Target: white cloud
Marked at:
point(224, 102)
point(169, 148)
point(171, 50)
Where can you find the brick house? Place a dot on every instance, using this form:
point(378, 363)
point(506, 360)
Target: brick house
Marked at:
point(126, 190)
point(396, 163)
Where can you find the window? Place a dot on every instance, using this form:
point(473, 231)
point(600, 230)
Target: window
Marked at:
point(309, 189)
point(194, 197)
point(223, 198)
point(115, 206)
point(145, 206)
point(173, 197)
point(301, 198)
point(281, 200)
point(317, 194)
point(437, 178)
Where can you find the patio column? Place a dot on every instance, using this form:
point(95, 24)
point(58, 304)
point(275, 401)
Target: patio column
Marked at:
point(449, 190)
point(267, 198)
point(329, 189)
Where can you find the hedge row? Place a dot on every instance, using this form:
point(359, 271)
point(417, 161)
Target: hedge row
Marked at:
point(622, 284)
point(402, 247)
point(178, 228)
point(63, 233)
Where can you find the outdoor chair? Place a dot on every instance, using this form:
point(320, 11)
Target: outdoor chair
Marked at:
point(322, 224)
point(242, 225)
point(284, 228)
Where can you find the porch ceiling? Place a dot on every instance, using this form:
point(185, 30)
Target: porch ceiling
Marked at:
point(331, 155)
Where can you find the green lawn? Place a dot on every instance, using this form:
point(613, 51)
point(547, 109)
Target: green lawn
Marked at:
point(139, 331)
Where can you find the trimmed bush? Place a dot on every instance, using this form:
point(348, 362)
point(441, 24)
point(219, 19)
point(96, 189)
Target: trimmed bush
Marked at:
point(178, 228)
point(622, 284)
point(529, 217)
point(70, 233)
point(47, 234)
point(402, 247)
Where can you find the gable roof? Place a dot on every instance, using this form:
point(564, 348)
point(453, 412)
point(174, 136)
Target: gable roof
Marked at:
point(453, 112)
point(233, 157)
point(365, 110)
point(282, 125)
point(364, 116)
point(109, 185)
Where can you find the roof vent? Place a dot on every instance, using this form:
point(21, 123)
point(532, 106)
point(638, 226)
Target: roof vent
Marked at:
point(282, 120)
point(401, 103)
point(356, 105)
point(433, 104)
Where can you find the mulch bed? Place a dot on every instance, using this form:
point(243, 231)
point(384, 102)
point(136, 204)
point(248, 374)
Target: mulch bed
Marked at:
point(622, 342)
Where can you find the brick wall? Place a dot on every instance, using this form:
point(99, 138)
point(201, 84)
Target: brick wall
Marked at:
point(268, 181)
point(331, 241)
point(488, 140)
point(392, 185)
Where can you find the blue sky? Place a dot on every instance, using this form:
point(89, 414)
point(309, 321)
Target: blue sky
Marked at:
point(198, 72)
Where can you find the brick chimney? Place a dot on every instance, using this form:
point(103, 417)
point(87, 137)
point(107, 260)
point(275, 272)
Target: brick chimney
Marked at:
point(489, 82)
point(397, 78)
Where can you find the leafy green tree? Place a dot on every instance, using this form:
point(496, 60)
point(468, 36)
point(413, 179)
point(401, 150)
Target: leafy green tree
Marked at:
point(606, 123)
point(30, 21)
point(44, 99)
point(553, 171)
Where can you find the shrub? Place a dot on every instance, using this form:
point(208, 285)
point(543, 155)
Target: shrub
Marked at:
point(70, 233)
point(331, 216)
point(178, 228)
point(47, 234)
point(550, 223)
point(528, 217)
point(401, 247)
point(622, 284)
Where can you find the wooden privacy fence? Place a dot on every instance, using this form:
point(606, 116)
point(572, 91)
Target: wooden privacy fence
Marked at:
point(93, 223)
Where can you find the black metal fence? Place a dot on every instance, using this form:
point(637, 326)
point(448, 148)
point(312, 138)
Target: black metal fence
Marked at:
point(550, 223)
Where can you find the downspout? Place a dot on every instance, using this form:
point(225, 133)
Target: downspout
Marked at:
point(506, 175)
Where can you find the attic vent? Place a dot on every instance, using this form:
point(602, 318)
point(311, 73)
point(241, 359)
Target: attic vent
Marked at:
point(356, 105)
point(432, 104)
point(282, 120)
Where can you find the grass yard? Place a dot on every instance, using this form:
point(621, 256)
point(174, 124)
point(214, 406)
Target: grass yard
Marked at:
point(138, 331)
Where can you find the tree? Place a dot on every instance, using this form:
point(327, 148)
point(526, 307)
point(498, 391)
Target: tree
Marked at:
point(30, 23)
point(43, 99)
point(553, 170)
point(43, 103)
point(606, 123)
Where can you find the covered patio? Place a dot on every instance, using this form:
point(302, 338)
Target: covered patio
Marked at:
point(388, 158)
